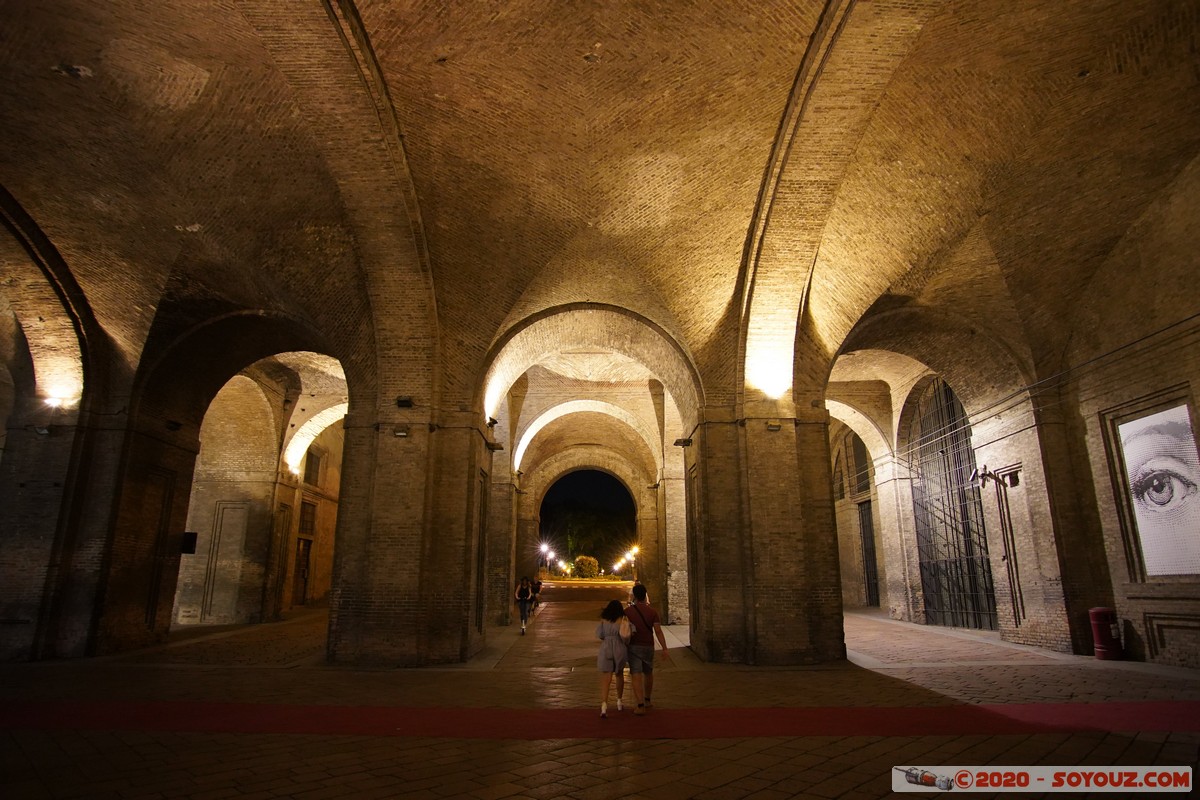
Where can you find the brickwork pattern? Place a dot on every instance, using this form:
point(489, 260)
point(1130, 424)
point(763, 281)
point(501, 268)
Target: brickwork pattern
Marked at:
point(446, 200)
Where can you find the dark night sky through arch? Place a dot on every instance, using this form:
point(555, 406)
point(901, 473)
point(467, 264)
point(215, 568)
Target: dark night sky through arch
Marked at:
point(595, 511)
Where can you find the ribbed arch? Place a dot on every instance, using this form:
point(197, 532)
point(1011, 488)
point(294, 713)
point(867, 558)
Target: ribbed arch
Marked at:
point(578, 406)
point(598, 327)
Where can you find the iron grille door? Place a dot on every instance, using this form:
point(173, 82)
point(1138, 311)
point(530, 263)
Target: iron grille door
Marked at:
point(956, 576)
point(866, 528)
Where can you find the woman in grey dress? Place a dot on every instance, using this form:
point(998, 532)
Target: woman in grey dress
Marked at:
point(611, 659)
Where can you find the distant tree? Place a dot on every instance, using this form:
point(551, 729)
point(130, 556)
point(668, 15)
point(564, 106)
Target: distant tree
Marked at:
point(587, 530)
point(586, 567)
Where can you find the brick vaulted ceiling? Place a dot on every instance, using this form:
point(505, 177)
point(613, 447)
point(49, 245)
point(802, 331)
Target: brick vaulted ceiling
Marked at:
point(712, 166)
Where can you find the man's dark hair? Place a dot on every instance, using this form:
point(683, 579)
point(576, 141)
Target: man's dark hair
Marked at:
point(639, 593)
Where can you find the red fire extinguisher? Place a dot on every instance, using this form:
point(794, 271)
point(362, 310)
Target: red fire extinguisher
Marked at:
point(1106, 633)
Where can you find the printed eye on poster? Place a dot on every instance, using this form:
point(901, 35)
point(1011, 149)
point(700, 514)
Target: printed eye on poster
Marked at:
point(1162, 481)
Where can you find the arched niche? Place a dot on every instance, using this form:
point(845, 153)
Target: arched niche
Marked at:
point(173, 394)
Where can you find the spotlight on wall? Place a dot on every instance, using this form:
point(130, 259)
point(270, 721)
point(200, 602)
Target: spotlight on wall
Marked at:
point(41, 430)
point(773, 425)
point(683, 442)
point(61, 398)
point(1007, 478)
point(980, 477)
point(404, 401)
point(400, 431)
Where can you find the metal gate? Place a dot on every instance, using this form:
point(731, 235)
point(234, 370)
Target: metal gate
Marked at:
point(956, 576)
point(866, 529)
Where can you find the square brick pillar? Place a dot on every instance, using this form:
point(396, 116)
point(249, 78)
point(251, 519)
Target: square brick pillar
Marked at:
point(673, 518)
point(902, 588)
point(502, 551)
point(764, 541)
point(409, 564)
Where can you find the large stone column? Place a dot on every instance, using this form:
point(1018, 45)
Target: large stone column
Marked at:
point(410, 554)
point(898, 536)
point(651, 557)
point(527, 555)
point(33, 475)
point(672, 500)
point(502, 550)
point(137, 592)
point(765, 541)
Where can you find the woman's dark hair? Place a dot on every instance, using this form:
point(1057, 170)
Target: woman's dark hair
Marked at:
point(613, 611)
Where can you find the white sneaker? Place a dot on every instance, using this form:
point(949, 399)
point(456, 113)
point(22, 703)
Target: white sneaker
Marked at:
point(619, 706)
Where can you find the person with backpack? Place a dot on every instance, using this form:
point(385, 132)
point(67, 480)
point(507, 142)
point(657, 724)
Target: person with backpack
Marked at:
point(646, 626)
point(524, 597)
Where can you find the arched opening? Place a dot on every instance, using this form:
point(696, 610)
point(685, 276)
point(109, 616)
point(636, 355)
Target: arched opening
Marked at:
point(264, 497)
point(590, 513)
point(855, 507)
point(590, 387)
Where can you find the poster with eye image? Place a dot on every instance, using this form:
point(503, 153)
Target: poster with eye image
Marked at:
point(1163, 469)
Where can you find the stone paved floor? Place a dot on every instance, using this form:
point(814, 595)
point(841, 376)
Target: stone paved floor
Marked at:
point(254, 713)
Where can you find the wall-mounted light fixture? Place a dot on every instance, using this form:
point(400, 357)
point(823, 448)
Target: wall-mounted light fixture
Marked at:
point(404, 401)
point(773, 425)
point(41, 430)
point(400, 431)
point(61, 398)
point(683, 442)
point(1007, 479)
point(491, 423)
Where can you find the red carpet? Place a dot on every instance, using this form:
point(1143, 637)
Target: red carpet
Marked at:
point(691, 723)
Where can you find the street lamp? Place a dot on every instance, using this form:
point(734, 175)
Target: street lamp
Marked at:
point(631, 556)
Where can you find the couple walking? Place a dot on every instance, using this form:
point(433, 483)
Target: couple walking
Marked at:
point(627, 636)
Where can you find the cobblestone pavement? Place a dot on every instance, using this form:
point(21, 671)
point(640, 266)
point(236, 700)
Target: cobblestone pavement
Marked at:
point(253, 712)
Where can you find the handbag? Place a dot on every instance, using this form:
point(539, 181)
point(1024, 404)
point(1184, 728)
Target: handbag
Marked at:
point(624, 628)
